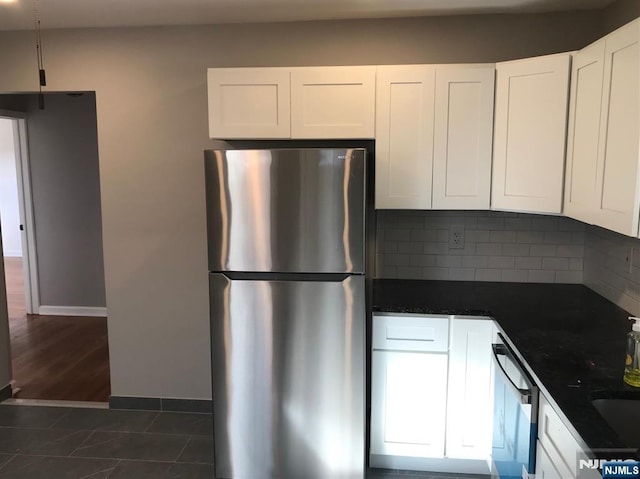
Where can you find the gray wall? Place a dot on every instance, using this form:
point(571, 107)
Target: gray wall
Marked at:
point(619, 13)
point(5, 347)
point(152, 127)
point(498, 247)
point(63, 155)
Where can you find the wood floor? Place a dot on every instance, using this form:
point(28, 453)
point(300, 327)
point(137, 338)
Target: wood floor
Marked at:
point(55, 357)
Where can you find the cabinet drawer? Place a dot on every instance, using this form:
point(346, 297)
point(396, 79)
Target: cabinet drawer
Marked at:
point(411, 332)
point(558, 442)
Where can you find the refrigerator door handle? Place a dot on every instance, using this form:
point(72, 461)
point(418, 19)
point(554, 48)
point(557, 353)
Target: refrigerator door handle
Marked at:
point(260, 276)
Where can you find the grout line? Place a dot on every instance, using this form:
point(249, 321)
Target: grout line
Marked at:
point(152, 422)
point(112, 470)
point(83, 443)
point(10, 459)
point(183, 449)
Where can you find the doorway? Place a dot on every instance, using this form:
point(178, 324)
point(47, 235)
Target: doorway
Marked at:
point(52, 247)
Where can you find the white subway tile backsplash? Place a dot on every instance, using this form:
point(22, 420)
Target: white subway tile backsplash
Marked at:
point(491, 223)
point(449, 261)
point(489, 249)
point(498, 246)
point(409, 272)
point(435, 273)
point(555, 264)
point(571, 251)
point(462, 274)
point(530, 237)
point(518, 224)
point(410, 247)
point(540, 276)
point(488, 275)
point(543, 250)
point(568, 276)
point(557, 237)
point(529, 263)
point(515, 275)
point(478, 236)
point(502, 262)
point(502, 236)
point(516, 249)
point(475, 261)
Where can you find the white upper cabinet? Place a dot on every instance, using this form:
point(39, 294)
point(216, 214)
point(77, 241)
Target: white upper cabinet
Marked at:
point(603, 174)
point(333, 102)
point(249, 103)
point(617, 191)
point(582, 137)
point(463, 136)
point(404, 136)
point(530, 132)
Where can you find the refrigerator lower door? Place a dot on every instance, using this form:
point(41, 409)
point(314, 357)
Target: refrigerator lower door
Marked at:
point(288, 378)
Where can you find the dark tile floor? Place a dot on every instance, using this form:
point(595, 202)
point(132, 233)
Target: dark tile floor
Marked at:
point(73, 443)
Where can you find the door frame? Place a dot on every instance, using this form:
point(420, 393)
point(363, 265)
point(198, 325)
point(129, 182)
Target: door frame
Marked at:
point(25, 204)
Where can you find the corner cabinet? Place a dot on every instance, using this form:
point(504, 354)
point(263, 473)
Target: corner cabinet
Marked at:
point(434, 126)
point(249, 103)
point(603, 174)
point(530, 131)
point(298, 103)
point(431, 393)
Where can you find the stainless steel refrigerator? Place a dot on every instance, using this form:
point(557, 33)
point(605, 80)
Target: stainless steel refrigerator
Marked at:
point(286, 239)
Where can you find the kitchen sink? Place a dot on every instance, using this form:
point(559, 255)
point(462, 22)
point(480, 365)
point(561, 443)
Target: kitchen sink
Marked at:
point(623, 415)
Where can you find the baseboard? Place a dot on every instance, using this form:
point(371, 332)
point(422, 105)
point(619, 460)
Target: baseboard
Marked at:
point(475, 467)
point(72, 311)
point(161, 404)
point(6, 393)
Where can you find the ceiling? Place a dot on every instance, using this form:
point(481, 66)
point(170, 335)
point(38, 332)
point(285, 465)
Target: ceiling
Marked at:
point(19, 14)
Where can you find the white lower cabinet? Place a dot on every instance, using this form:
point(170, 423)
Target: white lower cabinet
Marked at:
point(545, 468)
point(470, 395)
point(409, 394)
point(431, 393)
point(558, 451)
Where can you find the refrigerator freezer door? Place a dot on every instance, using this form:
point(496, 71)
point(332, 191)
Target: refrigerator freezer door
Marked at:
point(286, 210)
point(288, 378)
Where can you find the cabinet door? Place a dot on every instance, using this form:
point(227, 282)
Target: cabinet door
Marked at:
point(249, 103)
point(463, 137)
point(333, 102)
point(584, 127)
point(469, 402)
point(530, 128)
point(408, 401)
point(404, 136)
point(617, 206)
point(545, 469)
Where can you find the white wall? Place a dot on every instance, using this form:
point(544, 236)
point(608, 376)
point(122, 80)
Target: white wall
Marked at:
point(151, 98)
point(9, 206)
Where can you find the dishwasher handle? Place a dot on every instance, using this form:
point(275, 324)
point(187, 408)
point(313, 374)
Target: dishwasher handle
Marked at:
point(525, 395)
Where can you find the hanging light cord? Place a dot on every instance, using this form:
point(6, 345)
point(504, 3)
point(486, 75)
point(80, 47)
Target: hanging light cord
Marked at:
point(41, 73)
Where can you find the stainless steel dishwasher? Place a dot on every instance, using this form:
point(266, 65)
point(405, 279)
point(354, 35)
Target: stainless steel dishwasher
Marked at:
point(515, 416)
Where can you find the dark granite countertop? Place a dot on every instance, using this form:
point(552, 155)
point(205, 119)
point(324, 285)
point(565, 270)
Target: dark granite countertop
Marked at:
point(573, 339)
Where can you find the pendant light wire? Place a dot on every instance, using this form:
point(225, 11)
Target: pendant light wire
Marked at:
point(41, 72)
